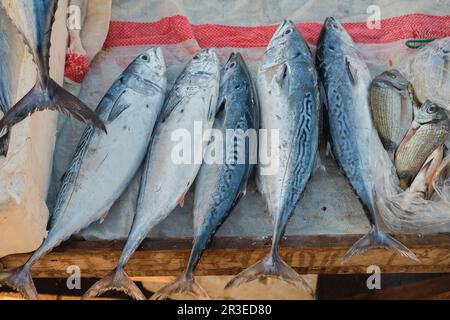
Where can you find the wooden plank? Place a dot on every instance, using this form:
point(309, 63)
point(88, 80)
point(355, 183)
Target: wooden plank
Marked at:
point(229, 256)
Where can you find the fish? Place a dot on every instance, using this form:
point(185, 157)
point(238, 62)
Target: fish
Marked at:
point(103, 165)
point(288, 87)
point(46, 93)
point(392, 104)
point(423, 182)
point(440, 182)
point(429, 71)
point(428, 131)
point(354, 139)
point(12, 49)
point(166, 179)
point(221, 184)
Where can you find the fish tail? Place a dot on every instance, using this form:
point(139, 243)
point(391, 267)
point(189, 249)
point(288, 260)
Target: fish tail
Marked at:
point(184, 284)
point(377, 238)
point(4, 144)
point(117, 280)
point(271, 266)
point(20, 280)
point(50, 97)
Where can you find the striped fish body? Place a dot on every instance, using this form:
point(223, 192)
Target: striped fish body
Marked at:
point(220, 186)
point(354, 139)
point(287, 83)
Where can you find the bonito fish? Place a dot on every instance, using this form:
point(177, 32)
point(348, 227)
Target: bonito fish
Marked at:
point(166, 180)
point(103, 165)
point(289, 93)
point(46, 94)
point(221, 184)
point(428, 131)
point(392, 104)
point(354, 140)
point(430, 72)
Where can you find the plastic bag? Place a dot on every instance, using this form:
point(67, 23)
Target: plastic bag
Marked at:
point(408, 211)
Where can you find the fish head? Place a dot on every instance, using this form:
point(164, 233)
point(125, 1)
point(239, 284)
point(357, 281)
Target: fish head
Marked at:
point(334, 33)
point(287, 43)
point(234, 72)
point(430, 112)
point(204, 68)
point(392, 79)
point(150, 65)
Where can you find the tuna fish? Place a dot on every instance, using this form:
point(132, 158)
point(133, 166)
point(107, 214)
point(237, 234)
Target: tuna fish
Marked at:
point(46, 94)
point(429, 131)
point(287, 83)
point(221, 185)
point(355, 142)
point(166, 178)
point(392, 103)
point(103, 165)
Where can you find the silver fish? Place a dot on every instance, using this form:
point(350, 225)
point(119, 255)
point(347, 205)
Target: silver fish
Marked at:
point(103, 165)
point(287, 83)
point(165, 180)
point(220, 186)
point(354, 140)
point(46, 94)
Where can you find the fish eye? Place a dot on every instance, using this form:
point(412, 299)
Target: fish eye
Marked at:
point(196, 58)
point(431, 109)
point(232, 65)
point(288, 31)
point(144, 57)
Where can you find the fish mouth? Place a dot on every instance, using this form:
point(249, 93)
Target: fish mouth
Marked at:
point(235, 57)
point(332, 24)
point(285, 25)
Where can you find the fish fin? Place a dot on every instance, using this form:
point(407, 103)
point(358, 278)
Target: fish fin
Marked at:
point(4, 144)
point(20, 280)
point(181, 201)
point(117, 110)
point(282, 74)
point(352, 72)
point(271, 266)
point(184, 284)
point(377, 238)
point(117, 280)
point(45, 56)
point(38, 99)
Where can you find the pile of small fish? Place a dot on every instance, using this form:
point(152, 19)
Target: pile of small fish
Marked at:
point(140, 119)
point(413, 128)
